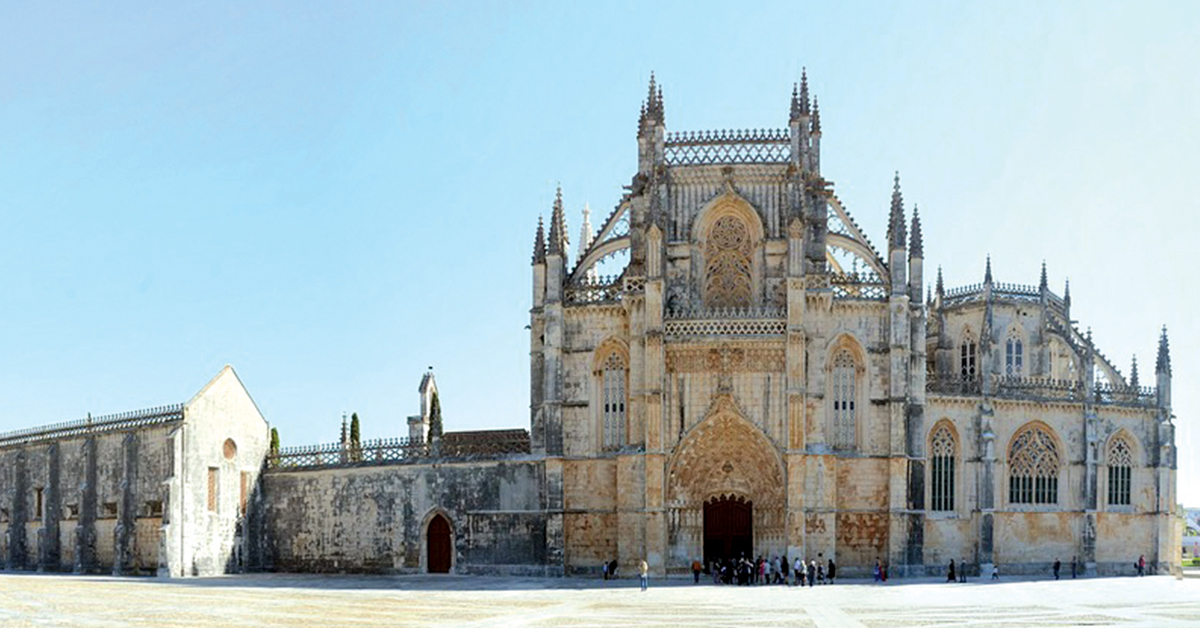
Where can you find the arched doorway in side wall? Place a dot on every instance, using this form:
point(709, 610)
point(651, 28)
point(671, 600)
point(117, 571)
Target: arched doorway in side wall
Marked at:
point(438, 545)
point(728, 529)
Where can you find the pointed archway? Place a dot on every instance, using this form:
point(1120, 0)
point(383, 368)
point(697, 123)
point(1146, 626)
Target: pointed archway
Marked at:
point(725, 486)
point(438, 545)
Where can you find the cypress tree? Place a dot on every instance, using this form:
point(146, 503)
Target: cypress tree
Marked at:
point(275, 441)
point(355, 440)
point(435, 417)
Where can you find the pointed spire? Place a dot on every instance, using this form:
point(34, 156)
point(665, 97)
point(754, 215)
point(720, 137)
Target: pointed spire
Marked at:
point(1133, 374)
point(940, 287)
point(652, 109)
point(557, 244)
point(816, 117)
point(1043, 285)
point(804, 91)
point(1163, 363)
point(896, 217)
point(585, 230)
point(539, 244)
point(987, 273)
point(916, 246)
point(1067, 293)
point(795, 112)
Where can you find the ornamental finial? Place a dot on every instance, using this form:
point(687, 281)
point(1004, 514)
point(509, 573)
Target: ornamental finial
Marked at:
point(916, 246)
point(1163, 363)
point(539, 244)
point(896, 229)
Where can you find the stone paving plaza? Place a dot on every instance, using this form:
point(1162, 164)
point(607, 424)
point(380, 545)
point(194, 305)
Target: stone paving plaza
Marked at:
point(293, 600)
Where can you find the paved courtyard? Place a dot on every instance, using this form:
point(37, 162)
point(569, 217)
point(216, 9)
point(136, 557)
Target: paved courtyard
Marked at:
point(451, 601)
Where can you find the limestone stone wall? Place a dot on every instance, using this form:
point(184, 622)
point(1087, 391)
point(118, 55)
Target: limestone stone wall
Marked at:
point(84, 502)
point(374, 519)
point(218, 456)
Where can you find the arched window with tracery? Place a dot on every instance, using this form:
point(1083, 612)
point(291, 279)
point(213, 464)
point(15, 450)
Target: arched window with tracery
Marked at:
point(1120, 472)
point(845, 386)
point(966, 357)
point(941, 469)
point(614, 400)
point(1033, 465)
point(727, 265)
point(1014, 355)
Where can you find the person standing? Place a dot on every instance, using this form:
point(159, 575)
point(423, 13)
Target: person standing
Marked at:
point(798, 571)
point(831, 572)
point(696, 569)
point(1057, 566)
point(962, 570)
point(878, 570)
point(1074, 566)
point(950, 577)
point(1141, 565)
point(645, 572)
point(812, 572)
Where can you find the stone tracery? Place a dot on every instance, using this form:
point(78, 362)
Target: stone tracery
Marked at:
point(727, 276)
point(1033, 465)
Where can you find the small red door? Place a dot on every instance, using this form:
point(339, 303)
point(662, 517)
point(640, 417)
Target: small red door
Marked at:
point(439, 545)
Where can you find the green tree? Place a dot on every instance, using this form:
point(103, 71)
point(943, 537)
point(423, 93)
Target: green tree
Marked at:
point(435, 417)
point(355, 440)
point(275, 441)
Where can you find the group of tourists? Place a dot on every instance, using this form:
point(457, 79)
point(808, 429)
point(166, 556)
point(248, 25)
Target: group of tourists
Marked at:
point(768, 570)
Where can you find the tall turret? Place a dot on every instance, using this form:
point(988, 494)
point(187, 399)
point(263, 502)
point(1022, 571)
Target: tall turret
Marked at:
point(896, 236)
point(916, 258)
point(556, 251)
point(1162, 372)
point(651, 130)
point(585, 239)
point(539, 266)
point(814, 150)
point(799, 123)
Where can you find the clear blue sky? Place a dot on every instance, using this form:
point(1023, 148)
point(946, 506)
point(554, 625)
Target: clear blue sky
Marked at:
point(333, 196)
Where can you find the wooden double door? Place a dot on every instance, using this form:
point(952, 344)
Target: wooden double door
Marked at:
point(728, 529)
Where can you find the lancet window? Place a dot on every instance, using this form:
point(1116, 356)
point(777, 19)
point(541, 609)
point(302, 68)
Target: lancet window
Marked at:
point(941, 469)
point(966, 355)
point(614, 400)
point(1120, 473)
point(1033, 465)
point(844, 377)
point(1014, 358)
point(727, 268)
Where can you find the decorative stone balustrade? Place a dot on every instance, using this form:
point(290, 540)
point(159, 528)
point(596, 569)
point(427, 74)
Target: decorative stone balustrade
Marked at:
point(94, 425)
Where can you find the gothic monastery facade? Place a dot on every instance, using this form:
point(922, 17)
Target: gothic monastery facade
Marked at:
point(759, 379)
point(754, 378)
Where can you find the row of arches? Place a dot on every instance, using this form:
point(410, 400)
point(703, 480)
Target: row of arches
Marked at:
point(1034, 461)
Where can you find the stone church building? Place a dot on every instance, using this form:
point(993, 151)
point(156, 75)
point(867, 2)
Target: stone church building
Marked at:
point(754, 377)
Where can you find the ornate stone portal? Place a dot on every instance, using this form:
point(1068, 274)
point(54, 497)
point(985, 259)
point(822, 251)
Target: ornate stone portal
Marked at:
point(725, 456)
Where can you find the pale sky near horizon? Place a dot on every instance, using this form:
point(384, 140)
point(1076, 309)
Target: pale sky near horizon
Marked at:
point(333, 196)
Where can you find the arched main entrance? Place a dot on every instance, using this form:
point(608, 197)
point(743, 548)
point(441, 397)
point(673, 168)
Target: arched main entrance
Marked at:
point(728, 529)
point(438, 546)
point(725, 486)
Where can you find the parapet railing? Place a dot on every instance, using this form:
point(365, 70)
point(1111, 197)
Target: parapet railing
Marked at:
point(746, 146)
point(401, 450)
point(854, 285)
point(1044, 389)
point(1003, 291)
point(591, 291)
point(93, 425)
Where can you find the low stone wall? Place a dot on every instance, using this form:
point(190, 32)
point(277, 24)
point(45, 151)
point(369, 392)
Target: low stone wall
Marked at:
point(374, 519)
